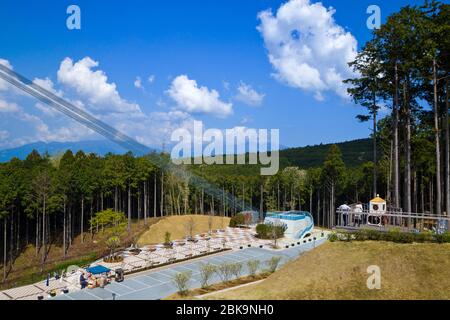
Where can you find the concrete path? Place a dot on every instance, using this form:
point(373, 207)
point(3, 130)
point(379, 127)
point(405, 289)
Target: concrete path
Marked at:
point(158, 284)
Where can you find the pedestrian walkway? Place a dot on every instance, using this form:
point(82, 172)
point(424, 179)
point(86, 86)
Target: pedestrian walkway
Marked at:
point(158, 284)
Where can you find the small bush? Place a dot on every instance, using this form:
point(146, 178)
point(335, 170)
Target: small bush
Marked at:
point(238, 219)
point(236, 269)
point(333, 237)
point(273, 263)
point(424, 237)
point(442, 238)
point(167, 240)
point(262, 230)
point(395, 235)
point(253, 266)
point(181, 281)
point(206, 272)
point(225, 271)
point(360, 235)
point(374, 235)
point(347, 236)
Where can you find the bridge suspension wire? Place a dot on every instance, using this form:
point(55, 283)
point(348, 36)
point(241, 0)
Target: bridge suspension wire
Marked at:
point(107, 131)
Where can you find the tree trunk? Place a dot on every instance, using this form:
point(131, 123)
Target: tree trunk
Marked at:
point(396, 146)
point(129, 208)
point(318, 208)
point(202, 206)
point(145, 202)
point(64, 229)
point(82, 219)
point(4, 248)
point(154, 196)
point(408, 207)
point(436, 138)
point(139, 205)
point(447, 152)
point(332, 217)
point(278, 196)
point(43, 234)
point(374, 149)
point(261, 203)
point(162, 193)
point(91, 214)
point(116, 199)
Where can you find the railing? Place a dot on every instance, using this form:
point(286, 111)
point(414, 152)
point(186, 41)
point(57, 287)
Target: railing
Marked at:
point(390, 219)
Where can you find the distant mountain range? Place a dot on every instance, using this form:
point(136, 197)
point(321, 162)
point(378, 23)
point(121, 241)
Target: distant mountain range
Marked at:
point(100, 147)
point(354, 152)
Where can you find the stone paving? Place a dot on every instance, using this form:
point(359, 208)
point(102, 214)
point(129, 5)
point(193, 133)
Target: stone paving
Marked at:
point(157, 283)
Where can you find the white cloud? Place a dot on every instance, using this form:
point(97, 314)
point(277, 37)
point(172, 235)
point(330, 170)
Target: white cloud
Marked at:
point(138, 83)
point(48, 84)
point(44, 123)
point(194, 99)
point(8, 107)
point(94, 86)
point(151, 78)
point(248, 95)
point(306, 47)
point(3, 135)
point(3, 84)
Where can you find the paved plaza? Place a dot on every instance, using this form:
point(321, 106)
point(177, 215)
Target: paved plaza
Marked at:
point(158, 284)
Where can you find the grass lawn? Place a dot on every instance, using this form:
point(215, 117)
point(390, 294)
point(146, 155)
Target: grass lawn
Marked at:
point(339, 271)
point(177, 226)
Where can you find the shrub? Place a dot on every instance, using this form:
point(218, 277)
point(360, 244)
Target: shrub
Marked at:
point(253, 266)
point(360, 235)
point(206, 272)
point(225, 271)
point(113, 243)
point(237, 220)
point(262, 230)
point(374, 235)
point(347, 236)
point(273, 263)
point(181, 281)
point(167, 236)
point(395, 235)
point(332, 237)
point(277, 230)
point(442, 238)
point(236, 269)
point(425, 236)
point(271, 230)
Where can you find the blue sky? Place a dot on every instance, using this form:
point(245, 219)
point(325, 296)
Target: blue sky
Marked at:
point(215, 43)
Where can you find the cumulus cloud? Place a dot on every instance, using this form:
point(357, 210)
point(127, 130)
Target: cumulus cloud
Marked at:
point(95, 95)
point(307, 48)
point(194, 99)
point(94, 85)
point(151, 78)
point(3, 135)
point(3, 84)
point(248, 95)
point(8, 107)
point(138, 83)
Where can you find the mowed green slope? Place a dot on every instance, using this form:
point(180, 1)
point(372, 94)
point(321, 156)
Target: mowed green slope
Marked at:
point(339, 271)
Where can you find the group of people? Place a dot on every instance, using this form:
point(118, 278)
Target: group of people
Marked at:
point(90, 281)
point(357, 212)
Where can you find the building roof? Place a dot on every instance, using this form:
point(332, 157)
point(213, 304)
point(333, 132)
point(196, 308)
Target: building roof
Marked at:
point(378, 200)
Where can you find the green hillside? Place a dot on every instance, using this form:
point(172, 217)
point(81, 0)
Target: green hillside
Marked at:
point(354, 153)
